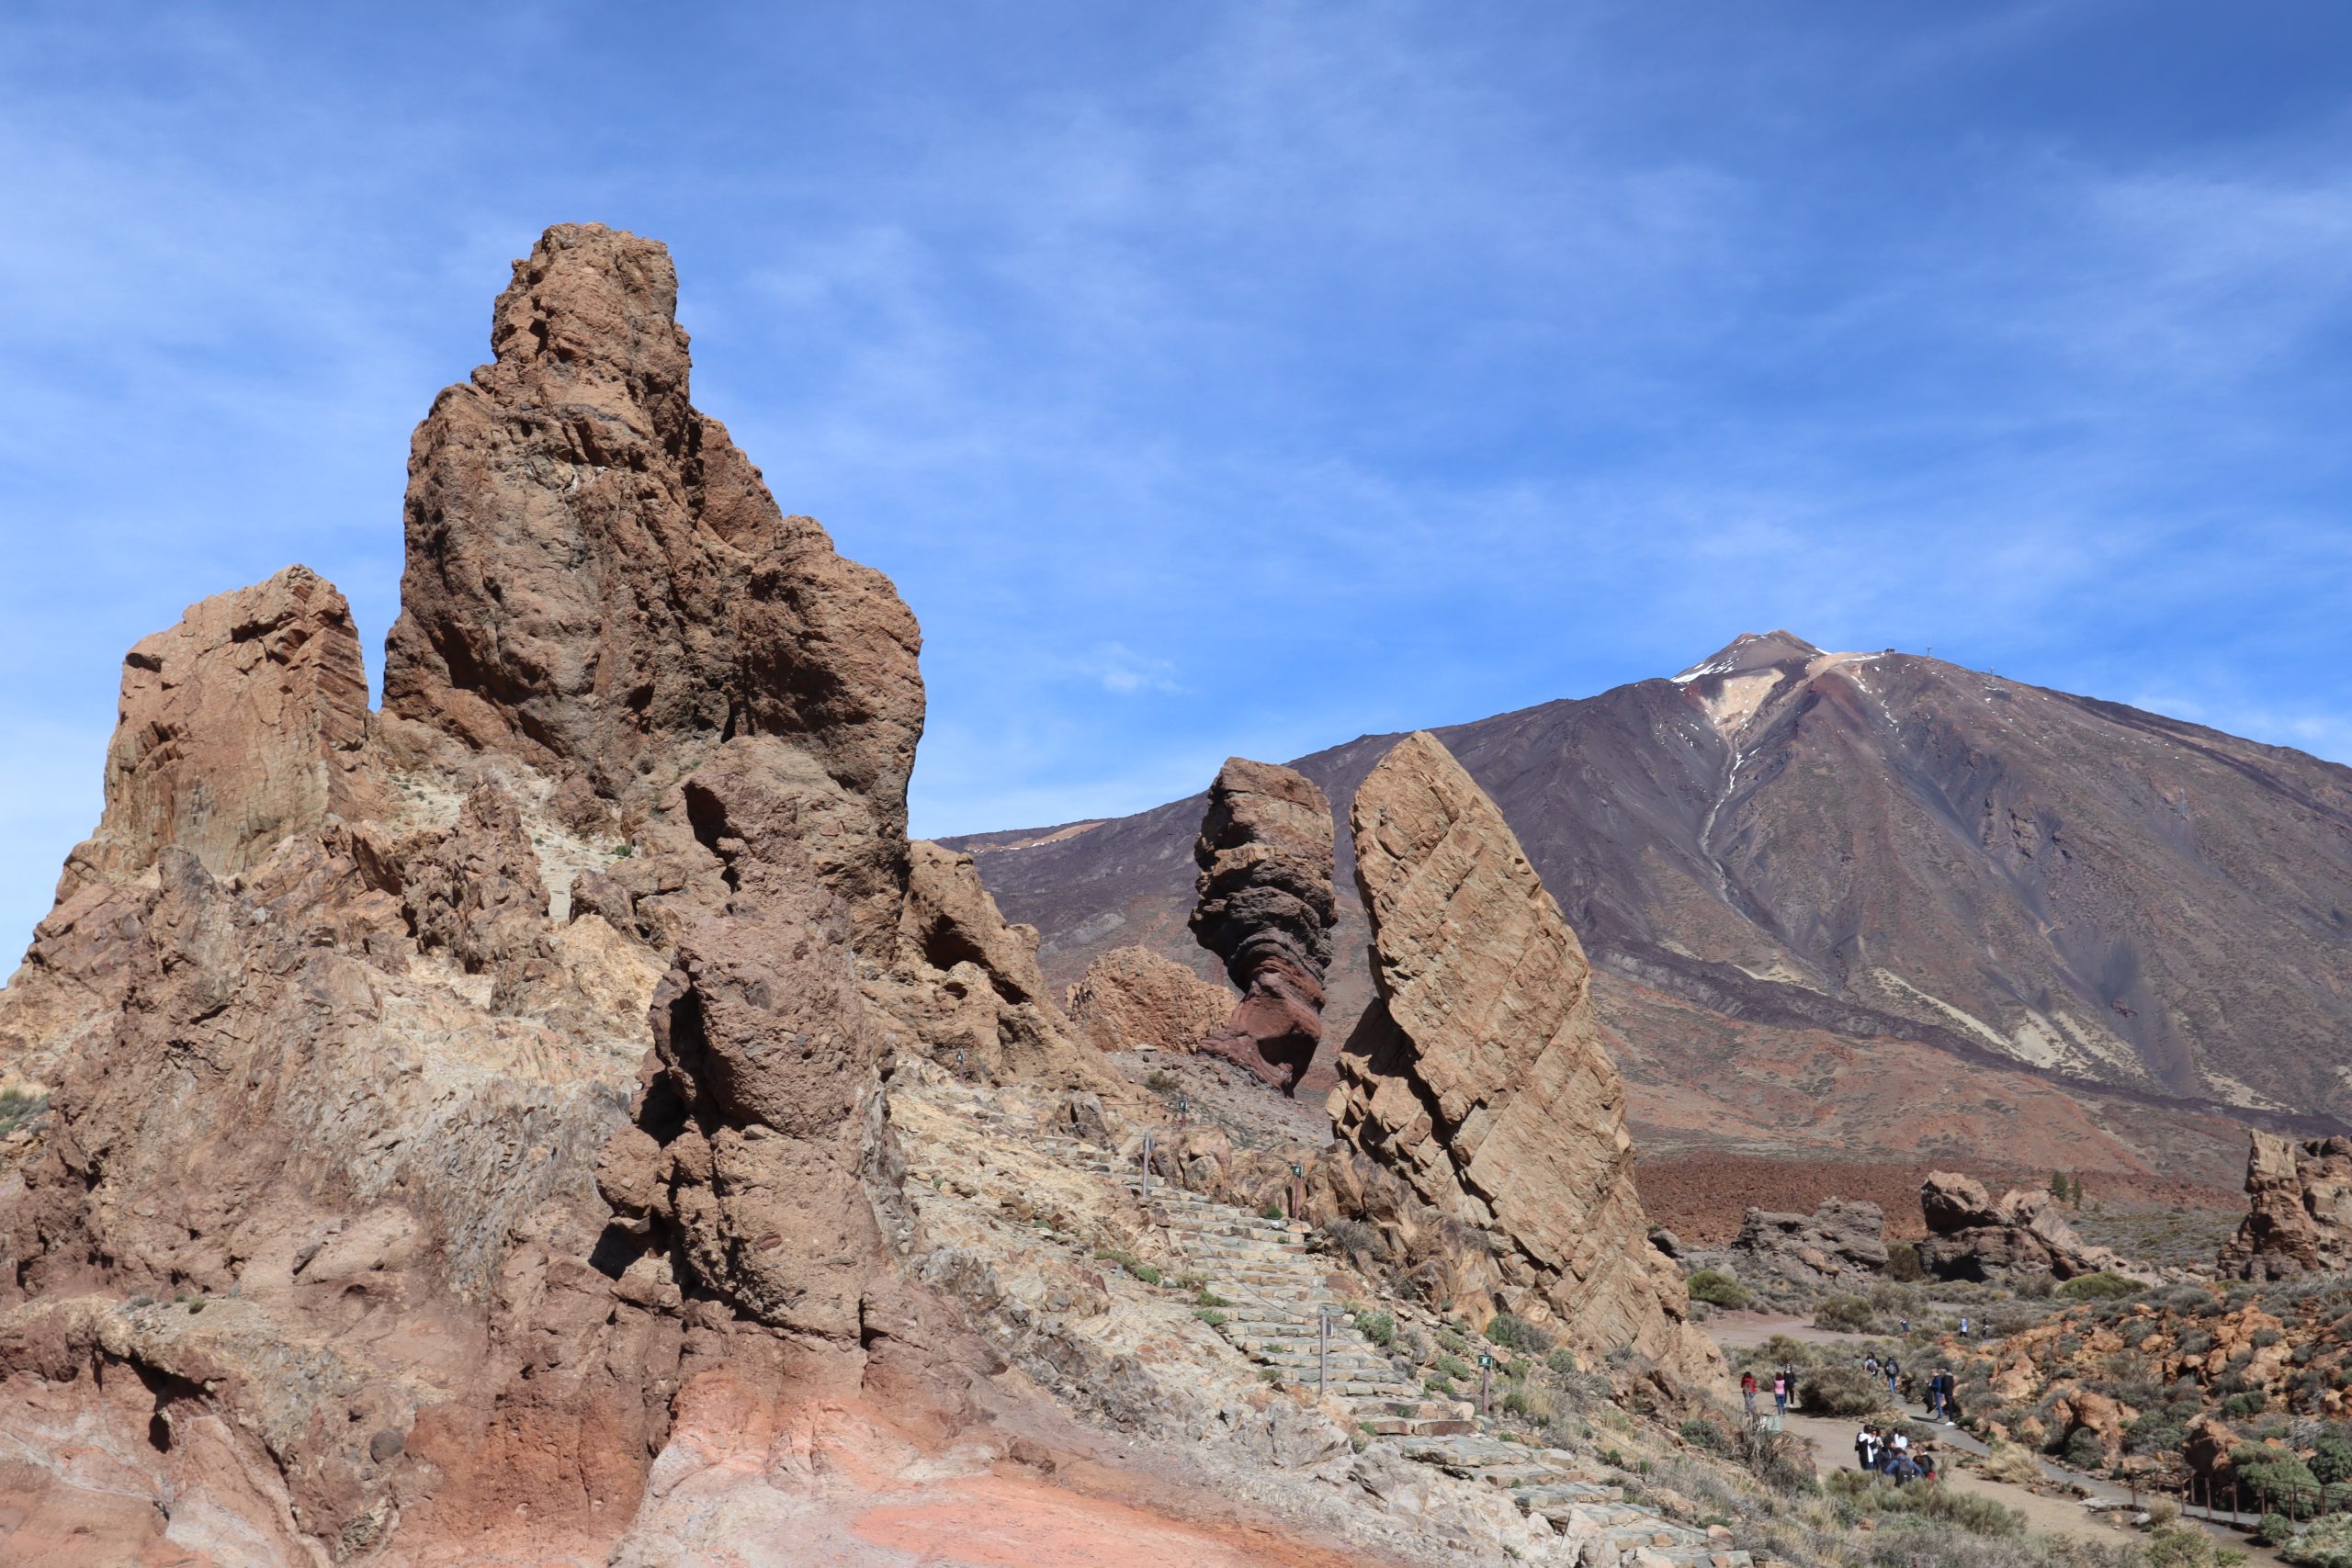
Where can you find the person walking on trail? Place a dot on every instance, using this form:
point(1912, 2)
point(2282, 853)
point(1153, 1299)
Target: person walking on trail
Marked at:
point(1894, 1370)
point(1780, 1397)
point(1964, 1325)
point(1869, 1363)
point(1747, 1393)
point(1866, 1446)
point(1788, 1376)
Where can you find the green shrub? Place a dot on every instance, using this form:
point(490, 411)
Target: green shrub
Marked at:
point(1903, 1261)
point(2325, 1542)
point(1844, 1315)
point(1211, 1316)
point(2272, 1474)
point(1208, 1298)
point(1380, 1328)
point(1270, 1211)
point(2084, 1450)
point(1563, 1363)
point(2331, 1459)
point(1157, 1081)
point(1146, 1272)
point(1453, 1367)
point(1717, 1289)
point(1517, 1334)
point(2098, 1288)
point(17, 1108)
point(1841, 1391)
point(1701, 1433)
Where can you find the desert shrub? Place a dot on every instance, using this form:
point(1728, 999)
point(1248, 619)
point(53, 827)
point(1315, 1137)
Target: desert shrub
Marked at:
point(1562, 1363)
point(2325, 1542)
point(1701, 1433)
point(1517, 1334)
point(1146, 1272)
point(2173, 1545)
point(1717, 1289)
point(1157, 1081)
point(2011, 1462)
point(1211, 1316)
point(2098, 1288)
point(1946, 1506)
point(1453, 1367)
point(1380, 1328)
point(17, 1108)
point(1270, 1211)
point(1350, 1236)
point(2272, 1474)
point(1530, 1400)
point(1843, 1391)
point(2084, 1450)
point(1844, 1315)
point(2331, 1459)
point(2155, 1433)
point(1903, 1261)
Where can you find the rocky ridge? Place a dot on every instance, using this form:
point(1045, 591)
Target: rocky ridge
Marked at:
point(1974, 1235)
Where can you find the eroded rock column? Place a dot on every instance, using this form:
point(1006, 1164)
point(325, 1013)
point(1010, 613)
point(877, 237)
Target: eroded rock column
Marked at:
point(1265, 908)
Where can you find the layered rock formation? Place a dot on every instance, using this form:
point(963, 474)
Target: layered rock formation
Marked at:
point(1132, 997)
point(1477, 1074)
point(339, 1011)
point(1841, 1243)
point(2299, 1210)
point(1265, 905)
point(1972, 1235)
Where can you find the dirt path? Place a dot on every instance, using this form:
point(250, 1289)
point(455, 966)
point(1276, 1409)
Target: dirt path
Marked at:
point(1832, 1444)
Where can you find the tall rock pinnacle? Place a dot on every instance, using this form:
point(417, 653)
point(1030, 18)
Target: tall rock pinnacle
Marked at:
point(599, 582)
point(1478, 1075)
point(1265, 908)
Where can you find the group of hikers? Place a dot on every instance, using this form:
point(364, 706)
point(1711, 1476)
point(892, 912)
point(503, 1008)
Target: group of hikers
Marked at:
point(1890, 1455)
point(1881, 1452)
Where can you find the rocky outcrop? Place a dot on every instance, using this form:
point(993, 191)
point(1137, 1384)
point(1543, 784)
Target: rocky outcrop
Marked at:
point(599, 584)
point(1972, 1235)
point(1265, 905)
point(2299, 1210)
point(239, 726)
point(1841, 1243)
point(1132, 997)
point(1479, 1075)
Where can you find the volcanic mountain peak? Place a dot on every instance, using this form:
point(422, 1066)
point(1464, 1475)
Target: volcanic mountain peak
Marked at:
point(1750, 652)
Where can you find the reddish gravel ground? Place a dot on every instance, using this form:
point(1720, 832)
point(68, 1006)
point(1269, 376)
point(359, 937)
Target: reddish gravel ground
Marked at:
point(1703, 1197)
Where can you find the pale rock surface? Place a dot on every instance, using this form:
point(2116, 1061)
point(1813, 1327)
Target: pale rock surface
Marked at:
point(1131, 998)
point(2299, 1209)
point(1478, 1075)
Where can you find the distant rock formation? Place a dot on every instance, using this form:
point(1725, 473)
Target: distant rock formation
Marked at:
point(1477, 1075)
point(2298, 1218)
point(1265, 907)
point(1971, 1235)
point(1842, 1242)
point(1130, 996)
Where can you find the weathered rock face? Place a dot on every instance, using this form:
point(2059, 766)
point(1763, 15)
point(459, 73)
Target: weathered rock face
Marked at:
point(2298, 1218)
point(1131, 997)
point(1841, 1242)
point(1265, 908)
point(333, 1058)
point(1972, 1235)
point(1478, 1075)
point(599, 583)
point(241, 724)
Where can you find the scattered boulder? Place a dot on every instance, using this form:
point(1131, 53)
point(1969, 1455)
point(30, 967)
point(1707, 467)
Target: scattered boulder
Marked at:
point(1841, 1243)
point(1265, 907)
point(1971, 1235)
point(1478, 1075)
point(2298, 1211)
point(1131, 998)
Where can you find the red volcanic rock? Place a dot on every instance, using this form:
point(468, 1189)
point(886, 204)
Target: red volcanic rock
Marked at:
point(1265, 907)
point(599, 583)
point(2298, 1217)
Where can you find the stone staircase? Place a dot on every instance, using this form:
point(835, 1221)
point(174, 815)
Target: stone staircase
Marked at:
point(1277, 1294)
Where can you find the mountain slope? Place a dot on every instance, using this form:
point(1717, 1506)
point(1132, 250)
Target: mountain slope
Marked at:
point(2046, 887)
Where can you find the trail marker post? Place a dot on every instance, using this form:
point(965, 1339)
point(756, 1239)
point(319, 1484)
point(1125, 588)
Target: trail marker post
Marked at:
point(1485, 1382)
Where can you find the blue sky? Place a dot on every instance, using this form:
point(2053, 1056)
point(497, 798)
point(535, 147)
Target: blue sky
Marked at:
point(1220, 379)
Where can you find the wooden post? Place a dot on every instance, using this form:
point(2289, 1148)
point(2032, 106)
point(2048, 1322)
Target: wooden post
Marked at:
point(1322, 1352)
point(1485, 1382)
point(1146, 1168)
